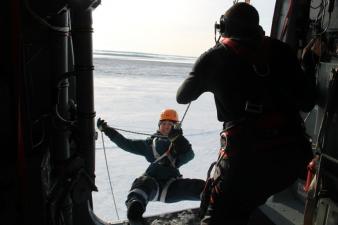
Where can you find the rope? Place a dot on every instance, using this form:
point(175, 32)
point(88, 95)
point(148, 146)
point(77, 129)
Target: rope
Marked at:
point(186, 110)
point(43, 21)
point(134, 132)
point(111, 187)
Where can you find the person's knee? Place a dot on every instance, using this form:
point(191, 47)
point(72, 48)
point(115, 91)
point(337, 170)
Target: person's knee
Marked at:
point(145, 186)
point(197, 186)
point(200, 184)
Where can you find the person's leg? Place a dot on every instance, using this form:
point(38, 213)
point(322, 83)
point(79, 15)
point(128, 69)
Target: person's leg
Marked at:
point(143, 189)
point(225, 210)
point(246, 183)
point(225, 205)
point(184, 189)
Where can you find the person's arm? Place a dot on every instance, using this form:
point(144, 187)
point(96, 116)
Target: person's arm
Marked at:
point(182, 151)
point(135, 146)
point(139, 147)
point(193, 86)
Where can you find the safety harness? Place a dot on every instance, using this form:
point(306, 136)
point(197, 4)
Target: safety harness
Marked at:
point(257, 100)
point(211, 182)
point(162, 194)
point(161, 190)
point(167, 154)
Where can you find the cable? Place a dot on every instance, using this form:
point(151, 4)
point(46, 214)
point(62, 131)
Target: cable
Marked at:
point(327, 26)
point(315, 7)
point(134, 132)
point(61, 118)
point(43, 135)
point(186, 110)
point(43, 21)
point(59, 86)
point(330, 5)
point(111, 186)
point(306, 117)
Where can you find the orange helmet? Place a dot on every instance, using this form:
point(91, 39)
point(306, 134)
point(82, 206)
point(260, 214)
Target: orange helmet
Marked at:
point(169, 114)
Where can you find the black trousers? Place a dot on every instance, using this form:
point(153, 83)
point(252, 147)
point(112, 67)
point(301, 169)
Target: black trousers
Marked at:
point(245, 178)
point(146, 188)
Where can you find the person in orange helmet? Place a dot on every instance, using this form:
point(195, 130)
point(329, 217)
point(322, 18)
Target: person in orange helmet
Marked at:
point(166, 151)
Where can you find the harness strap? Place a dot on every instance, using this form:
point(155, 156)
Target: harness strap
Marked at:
point(157, 192)
point(236, 47)
point(165, 189)
point(153, 146)
point(140, 192)
point(166, 154)
point(255, 102)
point(253, 57)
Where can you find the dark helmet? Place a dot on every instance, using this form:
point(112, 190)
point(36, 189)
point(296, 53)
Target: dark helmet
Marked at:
point(241, 21)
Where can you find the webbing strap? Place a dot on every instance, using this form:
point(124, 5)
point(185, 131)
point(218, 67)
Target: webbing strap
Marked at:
point(235, 46)
point(166, 154)
point(157, 192)
point(165, 189)
point(153, 146)
point(140, 192)
point(246, 53)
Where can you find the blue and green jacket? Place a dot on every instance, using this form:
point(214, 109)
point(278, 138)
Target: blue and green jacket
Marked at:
point(154, 147)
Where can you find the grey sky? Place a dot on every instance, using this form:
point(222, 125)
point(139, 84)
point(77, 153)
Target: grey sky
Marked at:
point(175, 27)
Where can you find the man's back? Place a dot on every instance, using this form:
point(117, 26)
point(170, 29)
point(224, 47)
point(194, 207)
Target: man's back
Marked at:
point(234, 79)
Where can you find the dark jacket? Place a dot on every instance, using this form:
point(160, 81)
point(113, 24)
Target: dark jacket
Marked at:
point(181, 152)
point(233, 81)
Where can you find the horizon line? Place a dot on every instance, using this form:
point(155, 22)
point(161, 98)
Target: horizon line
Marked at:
point(140, 52)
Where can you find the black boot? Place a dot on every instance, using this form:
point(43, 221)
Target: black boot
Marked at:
point(135, 209)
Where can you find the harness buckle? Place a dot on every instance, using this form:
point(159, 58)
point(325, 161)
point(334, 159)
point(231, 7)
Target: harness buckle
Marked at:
point(253, 108)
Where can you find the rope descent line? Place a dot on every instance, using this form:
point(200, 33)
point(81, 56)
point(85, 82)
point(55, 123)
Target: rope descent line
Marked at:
point(185, 113)
point(111, 186)
point(135, 132)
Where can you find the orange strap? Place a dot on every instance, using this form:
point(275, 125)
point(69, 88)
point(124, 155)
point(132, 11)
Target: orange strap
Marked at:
point(235, 46)
point(241, 50)
point(246, 53)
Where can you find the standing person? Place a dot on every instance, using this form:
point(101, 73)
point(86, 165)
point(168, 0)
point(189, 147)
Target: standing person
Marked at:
point(259, 88)
point(166, 150)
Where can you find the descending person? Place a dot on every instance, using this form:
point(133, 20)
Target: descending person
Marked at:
point(259, 88)
point(166, 150)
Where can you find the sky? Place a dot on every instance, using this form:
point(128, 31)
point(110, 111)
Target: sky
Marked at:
point(173, 27)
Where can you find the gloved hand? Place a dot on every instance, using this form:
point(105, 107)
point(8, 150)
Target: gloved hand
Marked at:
point(101, 124)
point(174, 133)
point(172, 154)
